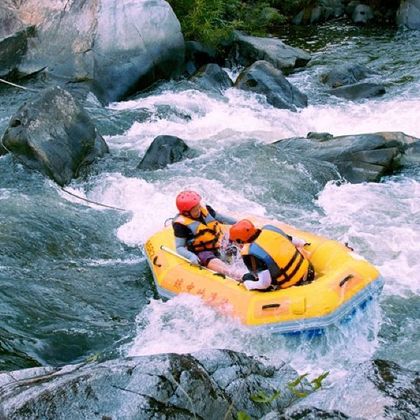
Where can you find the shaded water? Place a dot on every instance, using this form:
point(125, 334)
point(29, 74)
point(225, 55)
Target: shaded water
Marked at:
point(74, 281)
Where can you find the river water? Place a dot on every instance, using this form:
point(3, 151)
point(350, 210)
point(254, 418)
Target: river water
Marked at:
point(74, 280)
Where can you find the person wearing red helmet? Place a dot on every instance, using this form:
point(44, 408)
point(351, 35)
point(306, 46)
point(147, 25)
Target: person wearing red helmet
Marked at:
point(272, 257)
point(198, 234)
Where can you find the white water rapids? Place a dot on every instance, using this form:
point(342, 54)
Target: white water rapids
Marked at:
point(380, 220)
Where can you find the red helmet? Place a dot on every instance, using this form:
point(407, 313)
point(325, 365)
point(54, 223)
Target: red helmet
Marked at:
point(242, 231)
point(186, 200)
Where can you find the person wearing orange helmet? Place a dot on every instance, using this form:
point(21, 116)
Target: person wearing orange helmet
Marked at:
point(272, 257)
point(198, 234)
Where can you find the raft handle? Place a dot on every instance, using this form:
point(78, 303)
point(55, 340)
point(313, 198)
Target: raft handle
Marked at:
point(271, 306)
point(155, 262)
point(345, 280)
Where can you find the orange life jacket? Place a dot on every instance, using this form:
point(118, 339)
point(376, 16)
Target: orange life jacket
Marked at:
point(206, 236)
point(286, 264)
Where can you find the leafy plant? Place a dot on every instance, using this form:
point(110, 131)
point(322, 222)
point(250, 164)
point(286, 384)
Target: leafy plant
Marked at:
point(212, 21)
point(301, 390)
point(241, 415)
point(298, 387)
point(207, 21)
point(262, 398)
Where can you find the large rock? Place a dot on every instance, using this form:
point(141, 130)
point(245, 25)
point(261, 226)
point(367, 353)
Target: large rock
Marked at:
point(362, 14)
point(213, 384)
point(248, 49)
point(212, 77)
point(53, 134)
point(377, 389)
point(14, 37)
point(319, 11)
point(163, 151)
point(197, 55)
point(263, 78)
point(360, 157)
point(359, 91)
point(345, 74)
point(116, 47)
point(345, 81)
point(408, 14)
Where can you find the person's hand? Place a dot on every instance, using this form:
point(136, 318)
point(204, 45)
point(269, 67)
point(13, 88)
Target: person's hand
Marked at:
point(298, 242)
point(194, 260)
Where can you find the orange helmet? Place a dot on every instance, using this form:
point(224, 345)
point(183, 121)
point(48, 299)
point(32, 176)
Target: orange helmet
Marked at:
point(186, 200)
point(242, 231)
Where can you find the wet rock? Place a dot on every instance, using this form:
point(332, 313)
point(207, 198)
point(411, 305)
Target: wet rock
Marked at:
point(163, 151)
point(198, 55)
point(54, 135)
point(319, 136)
point(10, 22)
point(362, 14)
point(248, 49)
point(212, 77)
point(345, 81)
point(359, 158)
point(3, 151)
point(116, 48)
point(310, 413)
point(408, 15)
point(12, 50)
point(344, 75)
point(359, 91)
point(263, 78)
point(374, 389)
point(14, 35)
point(321, 11)
point(213, 384)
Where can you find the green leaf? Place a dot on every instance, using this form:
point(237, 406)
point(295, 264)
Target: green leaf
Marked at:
point(299, 394)
point(317, 382)
point(261, 397)
point(241, 415)
point(92, 357)
point(297, 381)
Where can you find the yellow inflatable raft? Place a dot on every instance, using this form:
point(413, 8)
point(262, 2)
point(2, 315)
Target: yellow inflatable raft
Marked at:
point(344, 281)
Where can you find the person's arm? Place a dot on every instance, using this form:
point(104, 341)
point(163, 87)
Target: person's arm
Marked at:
point(262, 282)
point(226, 220)
point(181, 249)
point(181, 233)
point(298, 242)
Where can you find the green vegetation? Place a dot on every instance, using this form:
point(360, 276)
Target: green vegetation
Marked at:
point(212, 21)
point(298, 387)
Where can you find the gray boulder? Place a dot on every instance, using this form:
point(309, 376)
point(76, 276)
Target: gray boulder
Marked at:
point(408, 15)
point(319, 11)
point(358, 91)
point(362, 14)
point(54, 135)
point(214, 384)
point(248, 49)
point(212, 77)
point(14, 37)
point(163, 151)
point(360, 157)
point(345, 82)
point(197, 55)
point(377, 389)
point(345, 74)
point(115, 47)
point(263, 78)
point(10, 22)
